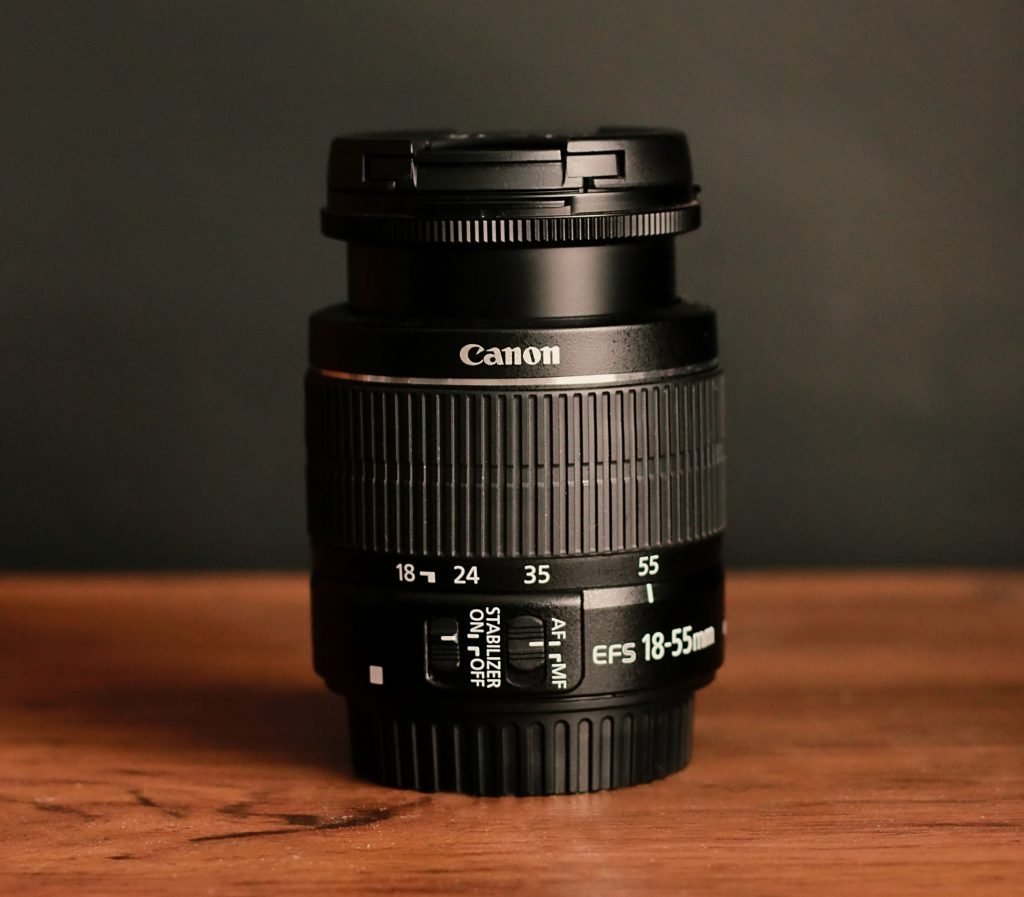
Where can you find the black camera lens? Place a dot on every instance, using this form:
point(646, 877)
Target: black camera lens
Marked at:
point(515, 462)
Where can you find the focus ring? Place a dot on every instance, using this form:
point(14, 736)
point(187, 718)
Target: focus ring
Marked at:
point(524, 754)
point(576, 229)
point(528, 473)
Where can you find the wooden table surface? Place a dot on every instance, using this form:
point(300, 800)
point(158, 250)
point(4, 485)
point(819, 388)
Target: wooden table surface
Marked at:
point(166, 734)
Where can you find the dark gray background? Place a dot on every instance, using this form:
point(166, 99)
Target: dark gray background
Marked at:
point(162, 167)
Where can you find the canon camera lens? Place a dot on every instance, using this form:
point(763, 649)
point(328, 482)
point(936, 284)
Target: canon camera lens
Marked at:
point(515, 463)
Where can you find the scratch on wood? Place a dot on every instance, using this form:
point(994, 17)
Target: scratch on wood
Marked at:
point(51, 807)
point(239, 809)
point(305, 819)
point(305, 822)
point(983, 824)
point(145, 801)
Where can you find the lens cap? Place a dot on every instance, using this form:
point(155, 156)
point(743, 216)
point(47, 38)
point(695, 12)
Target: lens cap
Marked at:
point(510, 188)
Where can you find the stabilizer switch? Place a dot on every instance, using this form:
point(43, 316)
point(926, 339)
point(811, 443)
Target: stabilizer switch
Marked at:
point(443, 654)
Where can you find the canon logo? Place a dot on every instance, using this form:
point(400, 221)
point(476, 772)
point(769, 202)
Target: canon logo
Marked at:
point(474, 354)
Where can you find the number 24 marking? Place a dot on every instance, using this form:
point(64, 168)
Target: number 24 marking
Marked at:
point(465, 575)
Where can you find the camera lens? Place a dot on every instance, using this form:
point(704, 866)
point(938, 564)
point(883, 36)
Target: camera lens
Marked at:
point(515, 463)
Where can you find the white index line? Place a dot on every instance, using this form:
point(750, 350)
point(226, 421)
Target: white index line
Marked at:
point(539, 644)
point(650, 593)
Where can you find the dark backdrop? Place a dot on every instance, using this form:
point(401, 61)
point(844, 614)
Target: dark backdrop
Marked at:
point(162, 167)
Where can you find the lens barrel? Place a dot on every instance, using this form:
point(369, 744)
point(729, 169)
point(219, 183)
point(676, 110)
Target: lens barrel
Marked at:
point(515, 462)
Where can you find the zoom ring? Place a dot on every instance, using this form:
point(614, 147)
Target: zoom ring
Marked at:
point(530, 473)
point(525, 754)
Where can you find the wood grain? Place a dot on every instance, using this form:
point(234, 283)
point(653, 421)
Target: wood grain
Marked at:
point(165, 734)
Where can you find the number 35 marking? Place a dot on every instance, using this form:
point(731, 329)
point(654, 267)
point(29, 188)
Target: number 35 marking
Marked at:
point(536, 574)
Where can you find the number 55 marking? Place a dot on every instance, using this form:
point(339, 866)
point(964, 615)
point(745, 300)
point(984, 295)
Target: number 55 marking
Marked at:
point(647, 565)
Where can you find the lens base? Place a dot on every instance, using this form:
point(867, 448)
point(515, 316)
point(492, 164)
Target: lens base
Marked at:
point(524, 753)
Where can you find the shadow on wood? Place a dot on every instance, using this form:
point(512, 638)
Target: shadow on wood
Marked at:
point(111, 666)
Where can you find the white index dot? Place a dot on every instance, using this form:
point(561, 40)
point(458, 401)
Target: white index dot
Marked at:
point(376, 675)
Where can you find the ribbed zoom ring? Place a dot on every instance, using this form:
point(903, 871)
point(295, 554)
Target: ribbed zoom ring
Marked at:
point(524, 754)
point(514, 231)
point(488, 473)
